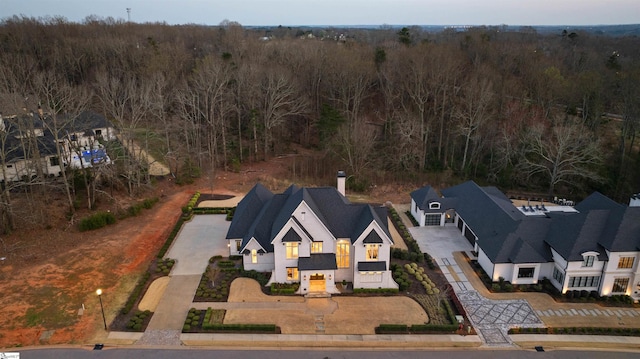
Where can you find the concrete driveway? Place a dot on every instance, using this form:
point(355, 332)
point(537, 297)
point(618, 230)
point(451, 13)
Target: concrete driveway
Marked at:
point(440, 242)
point(199, 239)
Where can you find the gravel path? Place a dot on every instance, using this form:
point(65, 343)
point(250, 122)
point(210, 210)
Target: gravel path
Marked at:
point(160, 337)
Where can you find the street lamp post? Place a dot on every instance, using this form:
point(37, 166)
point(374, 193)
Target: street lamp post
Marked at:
point(104, 319)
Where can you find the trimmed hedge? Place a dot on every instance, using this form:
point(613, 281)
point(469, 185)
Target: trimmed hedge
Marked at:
point(171, 237)
point(135, 294)
point(392, 328)
point(376, 290)
point(433, 328)
point(208, 210)
point(260, 328)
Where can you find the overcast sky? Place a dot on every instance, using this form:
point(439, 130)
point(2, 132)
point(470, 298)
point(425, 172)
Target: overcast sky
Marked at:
point(339, 12)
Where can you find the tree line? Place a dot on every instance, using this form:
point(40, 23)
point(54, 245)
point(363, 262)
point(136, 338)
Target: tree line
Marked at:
point(550, 113)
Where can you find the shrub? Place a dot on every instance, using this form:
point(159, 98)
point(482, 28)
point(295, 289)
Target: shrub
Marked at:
point(97, 220)
point(392, 328)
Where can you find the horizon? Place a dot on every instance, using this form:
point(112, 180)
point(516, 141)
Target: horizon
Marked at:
point(257, 13)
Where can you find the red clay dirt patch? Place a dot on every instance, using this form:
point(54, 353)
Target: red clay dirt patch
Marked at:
point(50, 274)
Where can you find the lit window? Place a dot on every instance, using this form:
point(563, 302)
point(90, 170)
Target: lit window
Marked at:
point(292, 273)
point(342, 254)
point(254, 256)
point(620, 285)
point(372, 252)
point(316, 247)
point(238, 246)
point(292, 250)
point(625, 262)
point(588, 261)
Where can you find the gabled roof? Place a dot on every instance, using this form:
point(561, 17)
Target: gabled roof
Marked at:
point(485, 212)
point(247, 211)
point(422, 196)
point(573, 234)
point(292, 236)
point(262, 215)
point(621, 230)
point(508, 236)
point(524, 245)
point(372, 237)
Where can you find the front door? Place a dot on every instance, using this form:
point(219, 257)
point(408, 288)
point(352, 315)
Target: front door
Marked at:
point(317, 283)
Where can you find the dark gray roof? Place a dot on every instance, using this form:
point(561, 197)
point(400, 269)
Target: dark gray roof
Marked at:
point(372, 266)
point(372, 237)
point(426, 195)
point(319, 261)
point(422, 197)
point(508, 236)
point(487, 214)
point(261, 214)
point(247, 211)
point(573, 234)
point(291, 236)
point(524, 245)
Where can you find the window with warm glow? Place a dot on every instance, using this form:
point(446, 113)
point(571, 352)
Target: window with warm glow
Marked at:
point(292, 250)
point(372, 252)
point(625, 262)
point(238, 246)
point(254, 256)
point(292, 273)
point(620, 285)
point(316, 247)
point(342, 254)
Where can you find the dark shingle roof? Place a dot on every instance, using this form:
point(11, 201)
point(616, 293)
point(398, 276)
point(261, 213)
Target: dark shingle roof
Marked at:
point(319, 261)
point(261, 214)
point(291, 236)
point(573, 234)
point(247, 211)
point(372, 237)
point(372, 266)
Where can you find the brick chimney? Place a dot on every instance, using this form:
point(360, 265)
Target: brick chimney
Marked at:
point(342, 179)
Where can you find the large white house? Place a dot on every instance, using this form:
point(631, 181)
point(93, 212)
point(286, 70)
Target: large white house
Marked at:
point(594, 246)
point(312, 236)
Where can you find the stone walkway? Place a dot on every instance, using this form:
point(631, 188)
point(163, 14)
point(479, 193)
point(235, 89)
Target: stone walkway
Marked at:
point(621, 312)
point(491, 318)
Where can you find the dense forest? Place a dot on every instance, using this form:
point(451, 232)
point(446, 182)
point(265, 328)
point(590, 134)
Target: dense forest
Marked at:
point(555, 114)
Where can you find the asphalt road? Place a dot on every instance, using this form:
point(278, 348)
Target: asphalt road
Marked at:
point(189, 353)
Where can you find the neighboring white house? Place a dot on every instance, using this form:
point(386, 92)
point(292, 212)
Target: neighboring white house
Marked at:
point(312, 236)
point(594, 246)
point(29, 146)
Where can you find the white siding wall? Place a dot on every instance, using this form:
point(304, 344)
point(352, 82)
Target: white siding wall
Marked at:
point(612, 272)
point(504, 270)
point(330, 281)
point(316, 230)
point(372, 279)
point(486, 264)
point(532, 280)
point(265, 261)
point(417, 213)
